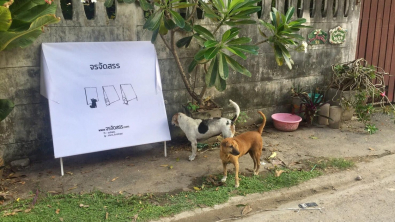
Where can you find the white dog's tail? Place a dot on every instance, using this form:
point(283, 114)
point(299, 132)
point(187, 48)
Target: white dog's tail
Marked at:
point(237, 110)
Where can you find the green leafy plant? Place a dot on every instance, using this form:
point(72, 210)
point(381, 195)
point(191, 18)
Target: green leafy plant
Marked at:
point(368, 82)
point(220, 50)
point(192, 107)
point(22, 21)
point(243, 117)
point(371, 128)
point(284, 34)
point(6, 106)
point(310, 104)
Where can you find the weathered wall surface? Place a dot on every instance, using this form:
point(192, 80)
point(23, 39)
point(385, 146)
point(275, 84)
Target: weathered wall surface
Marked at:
point(27, 131)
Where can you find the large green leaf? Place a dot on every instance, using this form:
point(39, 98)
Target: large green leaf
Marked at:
point(287, 60)
point(145, 5)
point(6, 107)
point(169, 24)
point(223, 69)
point(246, 48)
point(184, 42)
point(153, 21)
point(178, 19)
point(9, 40)
point(182, 5)
point(211, 52)
point(200, 39)
point(162, 28)
point(236, 52)
point(220, 84)
point(239, 41)
point(200, 55)
point(35, 12)
point(208, 11)
point(108, 3)
point(20, 6)
point(236, 66)
point(284, 50)
point(210, 43)
point(5, 18)
point(229, 34)
point(154, 35)
point(241, 22)
point(204, 32)
point(234, 3)
point(192, 66)
point(289, 14)
point(212, 73)
point(268, 26)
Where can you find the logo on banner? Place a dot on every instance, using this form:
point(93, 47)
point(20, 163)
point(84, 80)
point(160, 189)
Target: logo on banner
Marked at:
point(105, 66)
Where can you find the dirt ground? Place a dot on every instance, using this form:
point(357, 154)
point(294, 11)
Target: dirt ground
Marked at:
point(144, 169)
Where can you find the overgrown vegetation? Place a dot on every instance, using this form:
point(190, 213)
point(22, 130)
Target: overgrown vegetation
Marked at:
point(98, 206)
point(369, 83)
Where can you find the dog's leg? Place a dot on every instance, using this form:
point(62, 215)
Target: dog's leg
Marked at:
point(225, 172)
point(255, 162)
point(257, 159)
point(237, 174)
point(194, 150)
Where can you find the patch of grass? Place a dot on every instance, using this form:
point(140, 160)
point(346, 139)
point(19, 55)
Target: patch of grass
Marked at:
point(146, 207)
point(338, 163)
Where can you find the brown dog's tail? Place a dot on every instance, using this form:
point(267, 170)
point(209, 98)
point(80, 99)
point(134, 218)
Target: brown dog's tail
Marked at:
point(260, 130)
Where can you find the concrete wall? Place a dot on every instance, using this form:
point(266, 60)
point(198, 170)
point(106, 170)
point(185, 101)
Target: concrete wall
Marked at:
point(27, 131)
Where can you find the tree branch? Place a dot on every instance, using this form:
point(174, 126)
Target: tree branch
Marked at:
point(181, 69)
point(166, 43)
point(258, 43)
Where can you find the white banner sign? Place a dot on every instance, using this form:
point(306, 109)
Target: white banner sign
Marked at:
point(102, 95)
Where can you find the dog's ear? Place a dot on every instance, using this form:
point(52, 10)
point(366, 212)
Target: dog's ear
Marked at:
point(174, 120)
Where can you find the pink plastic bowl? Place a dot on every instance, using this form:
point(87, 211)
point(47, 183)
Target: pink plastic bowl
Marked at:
point(286, 121)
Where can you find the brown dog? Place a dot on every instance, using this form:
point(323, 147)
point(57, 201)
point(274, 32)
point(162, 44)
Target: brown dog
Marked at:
point(249, 142)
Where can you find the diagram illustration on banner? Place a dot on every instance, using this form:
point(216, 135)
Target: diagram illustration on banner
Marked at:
point(128, 93)
point(110, 95)
point(91, 96)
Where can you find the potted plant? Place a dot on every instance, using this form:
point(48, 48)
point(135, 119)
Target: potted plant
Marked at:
point(310, 105)
point(356, 82)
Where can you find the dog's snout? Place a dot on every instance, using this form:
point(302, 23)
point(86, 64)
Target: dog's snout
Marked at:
point(235, 152)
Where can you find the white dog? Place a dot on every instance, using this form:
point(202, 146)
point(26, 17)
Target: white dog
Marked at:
point(196, 129)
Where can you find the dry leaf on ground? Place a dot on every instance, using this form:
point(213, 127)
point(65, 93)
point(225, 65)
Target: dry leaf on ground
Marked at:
point(135, 217)
point(106, 215)
point(72, 188)
point(370, 148)
point(273, 155)
point(246, 210)
point(114, 179)
point(27, 210)
point(57, 211)
point(196, 188)
point(277, 162)
point(82, 205)
point(61, 219)
point(279, 172)
point(70, 173)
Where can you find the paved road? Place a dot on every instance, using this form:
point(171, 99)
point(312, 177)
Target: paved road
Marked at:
point(365, 202)
point(340, 195)
point(371, 200)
